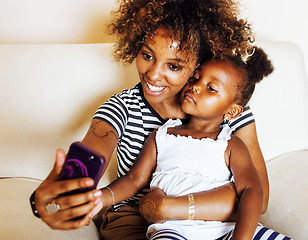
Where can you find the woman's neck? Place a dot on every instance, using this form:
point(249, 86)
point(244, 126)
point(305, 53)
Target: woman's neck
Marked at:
point(169, 108)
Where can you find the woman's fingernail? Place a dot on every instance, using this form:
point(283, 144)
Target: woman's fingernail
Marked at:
point(89, 182)
point(97, 193)
point(90, 215)
point(97, 200)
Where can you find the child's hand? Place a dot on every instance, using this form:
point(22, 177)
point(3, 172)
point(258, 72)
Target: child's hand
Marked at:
point(151, 206)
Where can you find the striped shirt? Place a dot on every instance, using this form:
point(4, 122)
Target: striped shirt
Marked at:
point(134, 119)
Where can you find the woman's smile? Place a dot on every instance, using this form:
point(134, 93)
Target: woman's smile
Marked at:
point(154, 89)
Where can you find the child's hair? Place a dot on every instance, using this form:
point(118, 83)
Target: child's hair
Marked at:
point(203, 27)
point(255, 66)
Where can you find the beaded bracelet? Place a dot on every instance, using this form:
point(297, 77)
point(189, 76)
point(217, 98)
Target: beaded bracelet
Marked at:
point(112, 194)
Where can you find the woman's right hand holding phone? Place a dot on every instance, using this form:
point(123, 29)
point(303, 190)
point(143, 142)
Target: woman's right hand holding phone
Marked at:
point(62, 211)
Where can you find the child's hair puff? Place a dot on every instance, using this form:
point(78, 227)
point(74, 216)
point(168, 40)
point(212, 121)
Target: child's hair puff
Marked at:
point(255, 66)
point(207, 27)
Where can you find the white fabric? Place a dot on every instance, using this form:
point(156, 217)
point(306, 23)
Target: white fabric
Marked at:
point(187, 165)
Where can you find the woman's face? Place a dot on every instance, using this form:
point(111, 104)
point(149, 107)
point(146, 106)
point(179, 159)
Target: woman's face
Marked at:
point(163, 70)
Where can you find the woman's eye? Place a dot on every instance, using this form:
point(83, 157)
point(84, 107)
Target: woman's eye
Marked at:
point(174, 67)
point(147, 56)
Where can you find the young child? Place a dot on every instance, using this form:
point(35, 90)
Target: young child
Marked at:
point(201, 154)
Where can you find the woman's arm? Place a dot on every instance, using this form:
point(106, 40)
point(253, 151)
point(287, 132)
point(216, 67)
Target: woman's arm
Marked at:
point(101, 137)
point(218, 204)
point(215, 204)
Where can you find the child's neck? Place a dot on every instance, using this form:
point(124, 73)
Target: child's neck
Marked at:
point(204, 128)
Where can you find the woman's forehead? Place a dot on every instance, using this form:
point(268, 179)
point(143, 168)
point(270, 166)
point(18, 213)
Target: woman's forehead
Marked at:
point(163, 40)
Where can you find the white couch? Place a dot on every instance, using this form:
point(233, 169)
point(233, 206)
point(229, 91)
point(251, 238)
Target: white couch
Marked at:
point(48, 94)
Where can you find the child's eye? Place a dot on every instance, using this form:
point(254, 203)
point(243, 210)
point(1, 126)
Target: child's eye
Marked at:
point(212, 89)
point(174, 67)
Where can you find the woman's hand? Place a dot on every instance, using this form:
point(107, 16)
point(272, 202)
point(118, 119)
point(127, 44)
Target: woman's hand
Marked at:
point(151, 206)
point(84, 205)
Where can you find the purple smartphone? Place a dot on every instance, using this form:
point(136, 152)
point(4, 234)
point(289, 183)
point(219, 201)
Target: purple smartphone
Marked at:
point(82, 161)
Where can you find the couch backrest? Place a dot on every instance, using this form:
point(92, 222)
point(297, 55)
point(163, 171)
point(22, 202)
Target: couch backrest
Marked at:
point(49, 93)
point(280, 101)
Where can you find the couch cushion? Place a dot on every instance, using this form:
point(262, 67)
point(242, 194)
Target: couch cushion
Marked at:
point(18, 222)
point(287, 211)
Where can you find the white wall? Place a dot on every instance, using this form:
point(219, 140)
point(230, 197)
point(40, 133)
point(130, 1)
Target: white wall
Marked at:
point(280, 20)
point(83, 21)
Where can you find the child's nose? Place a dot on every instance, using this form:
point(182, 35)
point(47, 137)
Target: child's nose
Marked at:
point(196, 88)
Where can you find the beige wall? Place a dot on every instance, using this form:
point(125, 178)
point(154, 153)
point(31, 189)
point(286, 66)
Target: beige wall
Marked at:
point(83, 21)
point(54, 21)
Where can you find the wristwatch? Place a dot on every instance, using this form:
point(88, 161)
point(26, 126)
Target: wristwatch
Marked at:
point(32, 203)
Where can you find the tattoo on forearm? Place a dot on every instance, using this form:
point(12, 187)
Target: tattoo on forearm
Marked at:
point(101, 134)
point(149, 209)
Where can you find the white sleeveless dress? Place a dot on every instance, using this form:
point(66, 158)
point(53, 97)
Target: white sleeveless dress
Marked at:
point(187, 165)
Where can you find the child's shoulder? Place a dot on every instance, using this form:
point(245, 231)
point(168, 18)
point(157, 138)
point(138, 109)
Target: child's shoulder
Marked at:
point(235, 143)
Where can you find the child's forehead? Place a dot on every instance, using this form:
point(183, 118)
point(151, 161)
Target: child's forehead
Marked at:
point(221, 70)
point(218, 65)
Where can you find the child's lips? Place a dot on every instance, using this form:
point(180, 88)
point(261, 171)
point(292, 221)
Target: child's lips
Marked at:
point(189, 97)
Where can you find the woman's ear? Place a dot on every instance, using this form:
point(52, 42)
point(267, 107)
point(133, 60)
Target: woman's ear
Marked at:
point(233, 112)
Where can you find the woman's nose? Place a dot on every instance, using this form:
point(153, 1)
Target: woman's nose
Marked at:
point(155, 72)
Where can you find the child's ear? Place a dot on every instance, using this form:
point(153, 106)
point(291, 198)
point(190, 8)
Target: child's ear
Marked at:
point(233, 112)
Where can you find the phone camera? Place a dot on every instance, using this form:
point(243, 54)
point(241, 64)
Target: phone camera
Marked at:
point(94, 158)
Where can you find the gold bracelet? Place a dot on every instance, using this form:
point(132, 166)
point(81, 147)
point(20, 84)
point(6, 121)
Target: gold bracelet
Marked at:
point(191, 207)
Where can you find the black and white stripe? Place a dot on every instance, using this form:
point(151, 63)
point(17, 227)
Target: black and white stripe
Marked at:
point(133, 119)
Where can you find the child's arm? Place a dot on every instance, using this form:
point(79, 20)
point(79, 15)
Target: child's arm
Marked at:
point(136, 179)
point(248, 135)
point(248, 187)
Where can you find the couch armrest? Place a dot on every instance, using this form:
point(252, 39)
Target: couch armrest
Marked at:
point(18, 222)
point(287, 212)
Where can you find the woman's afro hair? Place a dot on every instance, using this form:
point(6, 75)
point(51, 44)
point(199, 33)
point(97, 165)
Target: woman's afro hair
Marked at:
point(203, 27)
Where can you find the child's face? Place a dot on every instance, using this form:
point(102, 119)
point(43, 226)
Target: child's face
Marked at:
point(213, 93)
point(163, 70)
